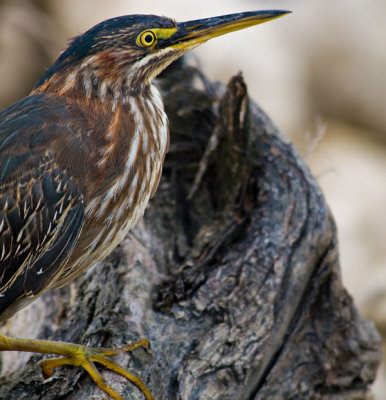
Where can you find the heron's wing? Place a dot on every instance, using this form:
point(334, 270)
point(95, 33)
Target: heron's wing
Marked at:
point(41, 208)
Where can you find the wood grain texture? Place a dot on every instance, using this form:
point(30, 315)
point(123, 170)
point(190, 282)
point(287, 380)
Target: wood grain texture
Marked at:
point(233, 274)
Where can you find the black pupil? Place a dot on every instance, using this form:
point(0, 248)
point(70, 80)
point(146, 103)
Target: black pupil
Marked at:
point(148, 38)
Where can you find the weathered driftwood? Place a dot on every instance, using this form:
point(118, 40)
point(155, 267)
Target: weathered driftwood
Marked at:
point(233, 275)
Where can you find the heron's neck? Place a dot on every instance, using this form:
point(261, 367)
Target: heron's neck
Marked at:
point(120, 118)
point(93, 81)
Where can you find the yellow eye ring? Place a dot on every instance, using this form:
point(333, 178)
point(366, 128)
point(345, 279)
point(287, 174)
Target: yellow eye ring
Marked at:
point(147, 39)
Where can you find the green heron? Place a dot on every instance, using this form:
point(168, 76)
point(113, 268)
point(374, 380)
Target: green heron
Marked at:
point(81, 156)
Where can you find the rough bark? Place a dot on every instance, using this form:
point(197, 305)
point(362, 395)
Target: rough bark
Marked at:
point(233, 274)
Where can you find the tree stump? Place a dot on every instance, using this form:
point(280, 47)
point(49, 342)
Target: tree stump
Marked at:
point(233, 274)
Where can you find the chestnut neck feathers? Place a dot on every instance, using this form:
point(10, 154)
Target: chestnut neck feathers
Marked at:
point(102, 77)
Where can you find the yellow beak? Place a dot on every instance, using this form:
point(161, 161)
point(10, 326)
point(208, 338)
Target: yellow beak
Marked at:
point(192, 33)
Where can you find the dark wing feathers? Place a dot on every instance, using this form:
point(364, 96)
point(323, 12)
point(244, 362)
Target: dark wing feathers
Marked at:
point(41, 207)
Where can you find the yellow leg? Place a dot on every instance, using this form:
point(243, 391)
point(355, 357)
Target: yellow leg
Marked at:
point(78, 356)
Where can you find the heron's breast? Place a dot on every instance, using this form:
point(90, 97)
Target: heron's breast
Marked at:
point(110, 215)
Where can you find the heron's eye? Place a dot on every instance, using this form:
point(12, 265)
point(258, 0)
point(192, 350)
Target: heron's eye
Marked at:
point(147, 39)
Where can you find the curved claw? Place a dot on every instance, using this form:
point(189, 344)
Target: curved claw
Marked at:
point(144, 342)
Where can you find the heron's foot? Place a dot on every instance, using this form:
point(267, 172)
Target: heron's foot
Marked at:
point(78, 356)
point(85, 357)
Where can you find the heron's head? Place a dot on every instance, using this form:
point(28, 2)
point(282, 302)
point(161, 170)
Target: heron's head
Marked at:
point(130, 51)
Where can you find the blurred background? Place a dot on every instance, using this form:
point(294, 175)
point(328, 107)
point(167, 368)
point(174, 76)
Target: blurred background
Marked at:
point(319, 73)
